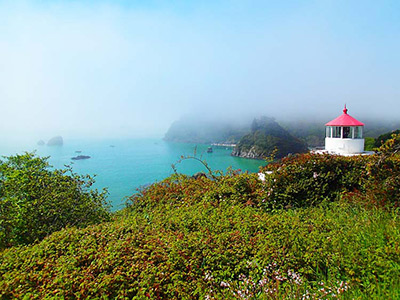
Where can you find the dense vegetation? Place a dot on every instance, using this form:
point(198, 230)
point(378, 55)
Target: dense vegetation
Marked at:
point(267, 137)
point(318, 227)
point(36, 201)
point(384, 137)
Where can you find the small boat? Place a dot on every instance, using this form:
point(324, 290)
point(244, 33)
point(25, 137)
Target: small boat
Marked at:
point(80, 157)
point(78, 151)
point(209, 150)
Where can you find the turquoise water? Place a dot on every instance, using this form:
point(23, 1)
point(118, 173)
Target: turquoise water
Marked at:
point(132, 163)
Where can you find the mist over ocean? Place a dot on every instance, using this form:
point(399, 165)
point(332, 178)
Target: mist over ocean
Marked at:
point(127, 164)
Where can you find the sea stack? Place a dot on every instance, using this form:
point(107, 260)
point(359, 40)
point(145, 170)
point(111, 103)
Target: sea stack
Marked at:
point(55, 141)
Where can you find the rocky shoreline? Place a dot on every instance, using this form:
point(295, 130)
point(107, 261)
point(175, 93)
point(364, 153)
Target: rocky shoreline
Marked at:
point(251, 153)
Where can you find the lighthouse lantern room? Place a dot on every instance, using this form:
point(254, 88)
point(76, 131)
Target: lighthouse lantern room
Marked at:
point(344, 135)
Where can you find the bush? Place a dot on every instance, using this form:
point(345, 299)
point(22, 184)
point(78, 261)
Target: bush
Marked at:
point(383, 170)
point(36, 200)
point(309, 179)
point(380, 140)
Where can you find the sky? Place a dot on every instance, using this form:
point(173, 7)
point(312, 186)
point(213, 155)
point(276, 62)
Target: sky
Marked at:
point(131, 68)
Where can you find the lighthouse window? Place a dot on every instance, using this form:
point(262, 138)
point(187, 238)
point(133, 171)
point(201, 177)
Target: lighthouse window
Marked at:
point(346, 133)
point(337, 132)
point(358, 132)
point(328, 132)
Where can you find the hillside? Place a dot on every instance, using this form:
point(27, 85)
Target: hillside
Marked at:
point(265, 137)
point(319, 226)
point(203, 131)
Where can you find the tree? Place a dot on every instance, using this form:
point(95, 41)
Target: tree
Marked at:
point(36, 200)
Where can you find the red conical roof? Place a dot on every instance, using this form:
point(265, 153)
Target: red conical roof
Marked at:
point(344, 120)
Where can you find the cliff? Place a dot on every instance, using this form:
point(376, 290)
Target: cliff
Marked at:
point(267, 135)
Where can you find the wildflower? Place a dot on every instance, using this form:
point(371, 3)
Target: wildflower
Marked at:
point(261, 176)
point(224, 284)
point(208, 276)
point(242, 277)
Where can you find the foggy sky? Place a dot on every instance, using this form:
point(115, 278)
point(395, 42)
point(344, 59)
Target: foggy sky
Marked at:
point(125, 69)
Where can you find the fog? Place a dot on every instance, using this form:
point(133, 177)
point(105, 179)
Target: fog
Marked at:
point(125, 69)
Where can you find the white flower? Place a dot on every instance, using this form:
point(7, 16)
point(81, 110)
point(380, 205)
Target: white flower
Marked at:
point(224, 284)
point(261, 176)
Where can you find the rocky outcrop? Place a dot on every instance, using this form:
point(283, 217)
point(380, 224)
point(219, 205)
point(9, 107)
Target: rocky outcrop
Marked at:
point(267, 137)
point(56, 141)
point(248, 153)
point(80, 157)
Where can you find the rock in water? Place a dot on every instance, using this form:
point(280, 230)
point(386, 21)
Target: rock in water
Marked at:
point(55, 141)
point(80, 157)
point(40, 143)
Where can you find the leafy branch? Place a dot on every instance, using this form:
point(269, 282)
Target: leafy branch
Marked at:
point(198, 159)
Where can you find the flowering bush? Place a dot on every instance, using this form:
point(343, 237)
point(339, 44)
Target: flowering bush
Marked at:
point(309, 179)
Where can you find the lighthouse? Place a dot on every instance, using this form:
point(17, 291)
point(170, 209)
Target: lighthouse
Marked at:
point(344, 135)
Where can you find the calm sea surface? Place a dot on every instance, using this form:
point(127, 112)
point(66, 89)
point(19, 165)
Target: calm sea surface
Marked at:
point(124, 165)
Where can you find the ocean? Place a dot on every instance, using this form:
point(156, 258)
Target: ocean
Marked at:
point(122, 166)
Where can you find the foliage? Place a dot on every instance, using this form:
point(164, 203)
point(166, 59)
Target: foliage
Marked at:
point(209, 249)
point(36, 201)
point(380, 140)
point(309, 179)
point(383, 186)
point(369, 144)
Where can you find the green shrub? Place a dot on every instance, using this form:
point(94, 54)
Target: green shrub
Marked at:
point(36, 200)
point(369, 144)
point(309, 179)
point(380, 140)
point(383, 170)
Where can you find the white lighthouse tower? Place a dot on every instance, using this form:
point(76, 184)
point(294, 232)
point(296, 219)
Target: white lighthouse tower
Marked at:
point(344, 135)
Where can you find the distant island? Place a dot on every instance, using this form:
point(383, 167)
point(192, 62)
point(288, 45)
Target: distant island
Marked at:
point(55, 141)
point(201, 131)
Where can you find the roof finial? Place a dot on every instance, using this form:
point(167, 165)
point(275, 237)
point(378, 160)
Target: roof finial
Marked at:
point(345, 109)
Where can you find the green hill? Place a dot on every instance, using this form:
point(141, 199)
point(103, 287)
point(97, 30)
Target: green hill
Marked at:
point(267, 136)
